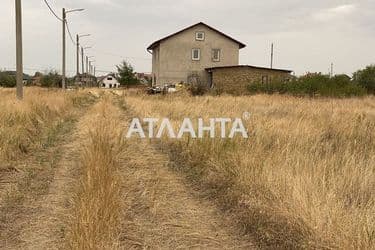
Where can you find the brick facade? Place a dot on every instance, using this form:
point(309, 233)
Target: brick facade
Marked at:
point(236, 79)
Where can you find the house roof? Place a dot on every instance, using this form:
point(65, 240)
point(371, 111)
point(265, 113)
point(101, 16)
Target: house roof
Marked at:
point(101, 78)
point(152, 46)
point(248, 66)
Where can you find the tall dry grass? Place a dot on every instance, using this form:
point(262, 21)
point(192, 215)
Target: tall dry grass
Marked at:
point(96, 213)
point(304, 179)
point(29, 124)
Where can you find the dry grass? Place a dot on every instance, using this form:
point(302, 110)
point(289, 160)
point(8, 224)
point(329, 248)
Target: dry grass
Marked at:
point(304, 179)
point(95, 222)
point(28, 125)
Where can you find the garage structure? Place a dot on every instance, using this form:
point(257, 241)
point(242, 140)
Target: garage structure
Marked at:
point(236, 79)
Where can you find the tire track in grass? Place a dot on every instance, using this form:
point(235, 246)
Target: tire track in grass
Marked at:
point(163, 210)
point(95, 216)
point(34, 216)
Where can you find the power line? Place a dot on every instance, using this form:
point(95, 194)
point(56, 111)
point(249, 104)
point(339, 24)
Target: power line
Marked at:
point(52, 11)
point(121, 56)
point(35, 69)
point(70, 34)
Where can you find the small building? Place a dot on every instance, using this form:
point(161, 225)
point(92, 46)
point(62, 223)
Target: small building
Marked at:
point(236, 79)
point(108, 82)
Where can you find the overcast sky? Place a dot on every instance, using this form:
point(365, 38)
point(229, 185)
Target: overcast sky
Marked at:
point(308, 35)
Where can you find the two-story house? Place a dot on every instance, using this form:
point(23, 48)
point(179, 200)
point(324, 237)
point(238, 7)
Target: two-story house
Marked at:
point(183, 57)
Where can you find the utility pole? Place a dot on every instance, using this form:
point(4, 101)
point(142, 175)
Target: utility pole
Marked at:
point(94, 71)
point(83, 61)
point(19, 62)
point(64, 44)
point(77, 43)
point(87, 65)
point(272, 56)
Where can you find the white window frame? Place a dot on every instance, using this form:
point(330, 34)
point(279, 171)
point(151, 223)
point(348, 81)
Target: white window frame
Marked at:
point(197, 36)
point(213, 55)
point(199, 54)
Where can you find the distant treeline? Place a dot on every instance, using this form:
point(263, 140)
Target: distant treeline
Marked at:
point(317, 84)
point(47, 79)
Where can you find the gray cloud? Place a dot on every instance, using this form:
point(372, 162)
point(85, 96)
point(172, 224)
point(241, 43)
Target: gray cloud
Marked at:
point(308, 35)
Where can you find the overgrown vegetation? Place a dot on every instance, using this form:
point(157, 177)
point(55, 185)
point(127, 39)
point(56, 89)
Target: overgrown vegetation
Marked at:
point(198, 89)
point(51, 79)
point(28, 125)
point(317, 84)
point(97, 207)
point(366, 78)
point(304, 178)
point(312, 85)
point(6, 80)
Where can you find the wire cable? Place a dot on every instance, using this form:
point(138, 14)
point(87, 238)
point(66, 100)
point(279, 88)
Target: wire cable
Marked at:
point(52, 11)
point(121, 56)
point(70, 34)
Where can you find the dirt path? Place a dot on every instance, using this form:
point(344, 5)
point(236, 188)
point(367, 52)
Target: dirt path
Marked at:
point(38, 222)
point(161, 210)
point(164, 211)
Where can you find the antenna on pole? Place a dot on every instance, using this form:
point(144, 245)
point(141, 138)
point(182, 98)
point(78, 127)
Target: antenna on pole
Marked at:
point(271, 55)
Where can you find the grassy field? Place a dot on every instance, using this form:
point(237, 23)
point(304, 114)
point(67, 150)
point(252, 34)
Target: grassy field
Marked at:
point(28, 125)
point(304, 179)
point(97, 205)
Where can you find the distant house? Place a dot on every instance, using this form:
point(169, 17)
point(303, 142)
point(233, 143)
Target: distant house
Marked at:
point(36, 80)
point(143, 78)
point(202, 55)
point(109, 81)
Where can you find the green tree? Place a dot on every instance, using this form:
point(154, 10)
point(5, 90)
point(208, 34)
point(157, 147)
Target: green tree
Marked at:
point(366, 78)
point(126, 74)
point(51, 79)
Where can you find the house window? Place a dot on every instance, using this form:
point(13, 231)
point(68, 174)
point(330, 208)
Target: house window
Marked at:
point(216, 55)
point(264, 79)
point(196, 54)
point(199, 36)
point(109, 78)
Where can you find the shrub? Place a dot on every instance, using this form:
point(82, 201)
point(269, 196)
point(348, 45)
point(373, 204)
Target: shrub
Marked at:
point(51, 79)
point(6, 80)
point(198, 90)
point(312, 84)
